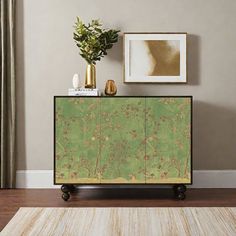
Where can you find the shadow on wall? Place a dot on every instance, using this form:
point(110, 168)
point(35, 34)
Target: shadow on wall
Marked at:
point(116, 52)
point(214, 137)
point(193, 59)
point(20, 84)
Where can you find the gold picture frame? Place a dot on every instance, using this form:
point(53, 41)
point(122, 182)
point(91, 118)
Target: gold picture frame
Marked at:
point(155, 57)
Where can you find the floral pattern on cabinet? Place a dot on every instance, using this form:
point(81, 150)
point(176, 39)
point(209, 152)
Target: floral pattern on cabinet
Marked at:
point(122, 140)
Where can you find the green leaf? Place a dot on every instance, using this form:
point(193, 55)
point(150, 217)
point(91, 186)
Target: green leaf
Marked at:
point(93, 40)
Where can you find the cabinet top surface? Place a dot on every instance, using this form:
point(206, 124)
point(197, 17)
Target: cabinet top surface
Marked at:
point(158, 96)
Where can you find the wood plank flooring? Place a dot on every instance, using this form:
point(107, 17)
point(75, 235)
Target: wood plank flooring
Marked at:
point(12, 200)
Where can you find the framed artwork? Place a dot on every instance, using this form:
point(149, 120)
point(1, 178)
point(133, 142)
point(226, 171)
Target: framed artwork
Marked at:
point(155, 57)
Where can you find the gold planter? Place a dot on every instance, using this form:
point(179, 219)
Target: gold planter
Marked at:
point(90, 77)
point(110, 88)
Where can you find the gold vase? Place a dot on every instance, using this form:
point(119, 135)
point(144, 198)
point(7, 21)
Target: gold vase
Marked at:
point(90, 77)
point(110, 88)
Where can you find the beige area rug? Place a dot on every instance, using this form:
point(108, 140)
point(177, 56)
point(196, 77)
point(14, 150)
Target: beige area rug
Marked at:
point(122, 221)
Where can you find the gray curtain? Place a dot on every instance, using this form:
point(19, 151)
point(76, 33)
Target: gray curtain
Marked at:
point(7, 94)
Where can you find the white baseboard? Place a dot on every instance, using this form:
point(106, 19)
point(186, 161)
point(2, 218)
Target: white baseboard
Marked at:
point(35, 179)
point(201, 179)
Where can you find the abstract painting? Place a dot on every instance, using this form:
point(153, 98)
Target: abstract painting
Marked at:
point(156, 57)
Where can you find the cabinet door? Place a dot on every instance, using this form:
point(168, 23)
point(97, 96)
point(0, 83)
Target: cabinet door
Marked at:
point(122, 140)
point(77, 142)
point(168, 140)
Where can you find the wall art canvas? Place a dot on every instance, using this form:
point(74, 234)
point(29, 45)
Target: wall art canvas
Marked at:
point(122, 140)
point(155, 57)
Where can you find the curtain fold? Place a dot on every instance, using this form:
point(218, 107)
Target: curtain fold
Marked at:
point(7, 94)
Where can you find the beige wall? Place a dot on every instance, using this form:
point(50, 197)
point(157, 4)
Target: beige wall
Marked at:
point(47, 59)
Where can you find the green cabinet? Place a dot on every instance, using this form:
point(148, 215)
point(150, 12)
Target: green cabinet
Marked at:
point(120, 140)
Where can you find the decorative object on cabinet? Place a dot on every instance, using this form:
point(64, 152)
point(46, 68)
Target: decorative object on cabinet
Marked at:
point(76, 82)
point(90, 76)
point(155, 57)
point(93, 42)
point(83, 92)
point(123, 140)
point(110, 88)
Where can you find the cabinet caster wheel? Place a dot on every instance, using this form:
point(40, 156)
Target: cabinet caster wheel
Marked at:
point(180, 188)
point(180, 196)
point(179, 191)
point(65, 196)
point(66, 190)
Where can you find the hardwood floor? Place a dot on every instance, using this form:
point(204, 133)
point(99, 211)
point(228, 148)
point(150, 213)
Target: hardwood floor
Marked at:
point(12, 200)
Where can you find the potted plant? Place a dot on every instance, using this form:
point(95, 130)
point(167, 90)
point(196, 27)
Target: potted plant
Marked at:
point(93, 42)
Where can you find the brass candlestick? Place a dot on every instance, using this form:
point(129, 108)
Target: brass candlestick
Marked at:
point(110, 89)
